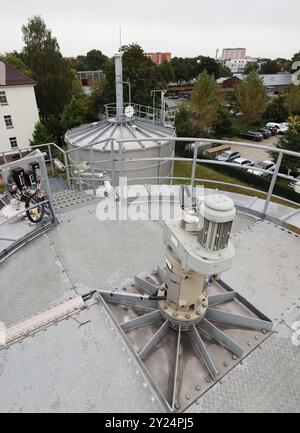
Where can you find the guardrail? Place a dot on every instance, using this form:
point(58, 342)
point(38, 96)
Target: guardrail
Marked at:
point(117, 162)
point(143, 112)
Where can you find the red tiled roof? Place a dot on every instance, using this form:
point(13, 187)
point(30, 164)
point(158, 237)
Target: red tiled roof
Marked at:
point(14, 77)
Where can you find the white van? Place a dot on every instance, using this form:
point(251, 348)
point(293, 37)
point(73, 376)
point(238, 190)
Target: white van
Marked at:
point(281, 127)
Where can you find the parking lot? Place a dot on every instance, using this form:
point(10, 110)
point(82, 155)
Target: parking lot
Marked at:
point(256, 154)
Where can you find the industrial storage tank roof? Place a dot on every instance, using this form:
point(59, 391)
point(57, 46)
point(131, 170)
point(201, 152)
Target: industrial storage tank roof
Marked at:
point(93, 133)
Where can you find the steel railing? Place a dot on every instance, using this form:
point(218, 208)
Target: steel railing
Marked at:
point(117, 163)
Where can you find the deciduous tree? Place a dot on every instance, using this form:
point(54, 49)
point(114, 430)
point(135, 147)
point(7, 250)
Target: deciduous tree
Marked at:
point(51, 71)
point(206, 100)
point(251, 98)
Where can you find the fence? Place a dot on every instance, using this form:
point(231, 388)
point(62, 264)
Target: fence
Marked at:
point(117, 162)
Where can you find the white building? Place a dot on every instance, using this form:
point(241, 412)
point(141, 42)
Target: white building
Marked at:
point(237, 66)
point(18, 109)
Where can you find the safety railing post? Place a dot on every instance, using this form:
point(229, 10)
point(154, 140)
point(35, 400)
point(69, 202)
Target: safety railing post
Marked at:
point(92, 163)
point(112, 156)
point(51, 160)
point(194, 165)
point(272, 184)
point(67, 170)
point(45, 179)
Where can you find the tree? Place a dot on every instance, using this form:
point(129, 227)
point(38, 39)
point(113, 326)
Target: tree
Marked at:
point(296, 57)
point(51, 71)
point(251, 67)
point(165, 73)
point(41, 135)
point(75, 113)
point(206, 100)
point(100, 95)
point(95, 60)
point(224, 125)
point(139, 70)
point(270, 67)
point(183, 69)
point(207, 64)
point(290, 141)
point(250, 98)
point(276, 110)
point(224, 71)
point(186, 125)
point(15, 60)
point(293, 100)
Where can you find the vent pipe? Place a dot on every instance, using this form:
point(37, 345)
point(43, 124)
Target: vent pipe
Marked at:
point(119, 86)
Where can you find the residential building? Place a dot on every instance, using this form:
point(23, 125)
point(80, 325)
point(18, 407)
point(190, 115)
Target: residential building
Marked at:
point(275, 84)
point(159, 58)
point(227, 84)
point(89, 78)
point(233, 53)
point(237, 66)
point(18, 109)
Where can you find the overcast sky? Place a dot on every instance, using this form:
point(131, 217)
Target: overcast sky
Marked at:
point(267, 28)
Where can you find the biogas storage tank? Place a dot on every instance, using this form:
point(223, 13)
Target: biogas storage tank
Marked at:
point(99, 143)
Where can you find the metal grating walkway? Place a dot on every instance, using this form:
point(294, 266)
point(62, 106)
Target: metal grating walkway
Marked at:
point(67, 198)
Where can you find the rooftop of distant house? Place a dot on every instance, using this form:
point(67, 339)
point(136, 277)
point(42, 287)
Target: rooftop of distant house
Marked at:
point(9, 76)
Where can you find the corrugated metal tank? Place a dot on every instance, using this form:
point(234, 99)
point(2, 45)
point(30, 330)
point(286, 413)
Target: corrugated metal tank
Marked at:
point(104, 135)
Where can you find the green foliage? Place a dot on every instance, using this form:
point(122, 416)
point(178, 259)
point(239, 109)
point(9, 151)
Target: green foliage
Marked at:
point(296, 57)
point(41, 135)
point(206, 100)
point(94, 61)
point(290, 141)
point(270, 67)
point(100, 95)
point(186, 125)
point(15, 60)
point(42, 55)
point(186, 69)
point(224, 71)
point(165, 74)
point(225, 124)
point(251, 67)
point(250, 98)
point(293, 100)
point(276, 110)
point(75, 113)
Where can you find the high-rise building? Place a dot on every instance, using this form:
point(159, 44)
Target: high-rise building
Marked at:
point(159, 58)
point(233, 53)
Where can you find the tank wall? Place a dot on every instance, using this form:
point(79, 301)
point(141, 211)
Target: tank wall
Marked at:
point(132, 170)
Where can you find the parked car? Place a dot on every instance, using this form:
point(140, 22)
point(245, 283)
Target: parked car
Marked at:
point(294, 183)
point(263, 165)
point(243, 162)
point(282, 128)
point(228, 156)
point(252, 135)
point(265, 132)
point(273, 130)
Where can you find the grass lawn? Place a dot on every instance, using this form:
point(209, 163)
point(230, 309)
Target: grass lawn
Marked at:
point(183, 169)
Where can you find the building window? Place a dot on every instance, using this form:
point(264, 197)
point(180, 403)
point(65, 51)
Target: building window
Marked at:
point(3, 99)
point(8, 122)
point(13, 142)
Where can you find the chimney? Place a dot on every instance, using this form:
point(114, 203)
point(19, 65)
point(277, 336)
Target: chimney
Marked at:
point(2, 74)
point(119, 86)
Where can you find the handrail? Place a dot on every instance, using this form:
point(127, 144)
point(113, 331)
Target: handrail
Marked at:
point(118, 156)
